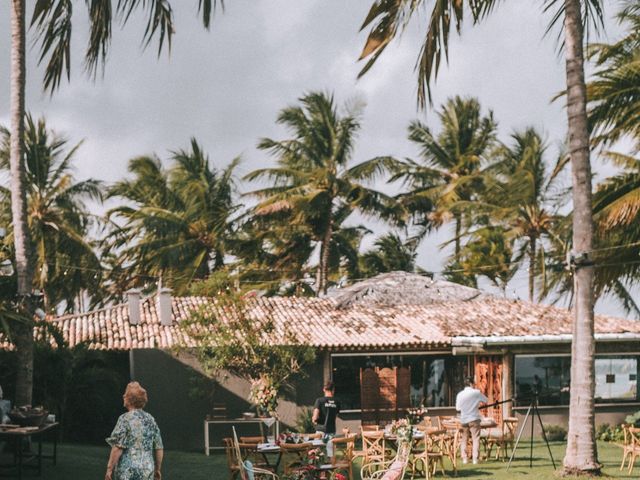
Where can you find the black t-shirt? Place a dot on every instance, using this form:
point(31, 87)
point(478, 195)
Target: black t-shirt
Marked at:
point(329, 408)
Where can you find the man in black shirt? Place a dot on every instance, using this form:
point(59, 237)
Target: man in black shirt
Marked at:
point(325, 410)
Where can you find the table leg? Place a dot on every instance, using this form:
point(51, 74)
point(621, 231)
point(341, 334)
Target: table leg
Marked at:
point(39, 455)
point(206, 438)
point(19, 459)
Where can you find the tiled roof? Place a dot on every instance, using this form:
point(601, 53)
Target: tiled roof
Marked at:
point(324, 323)
point(403, 288)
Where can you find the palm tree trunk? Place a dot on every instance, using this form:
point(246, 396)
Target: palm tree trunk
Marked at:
point(323, 267)
point(23, 334)
point(581, 454)
point(532, 264)
point(458, 221)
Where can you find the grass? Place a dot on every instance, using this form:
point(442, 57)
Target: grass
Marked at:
point(80, 462)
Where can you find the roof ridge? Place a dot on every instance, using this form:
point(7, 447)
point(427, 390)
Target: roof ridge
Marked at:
point(85, 314)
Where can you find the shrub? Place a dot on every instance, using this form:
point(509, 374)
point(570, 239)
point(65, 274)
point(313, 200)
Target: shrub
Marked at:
point(555, 433)
point(633, 419)
point(608, 433)
point(304, 422)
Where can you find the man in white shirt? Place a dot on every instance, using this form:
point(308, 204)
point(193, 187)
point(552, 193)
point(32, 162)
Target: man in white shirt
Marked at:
point(467, 403)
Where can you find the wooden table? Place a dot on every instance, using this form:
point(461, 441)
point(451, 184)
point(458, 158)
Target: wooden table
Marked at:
point(236, 421)
point(17, 437)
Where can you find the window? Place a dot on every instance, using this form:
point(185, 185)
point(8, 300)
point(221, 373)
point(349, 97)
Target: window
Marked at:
point(434, 379)
point(546, 377)
point(549, 377)
point(616, 379)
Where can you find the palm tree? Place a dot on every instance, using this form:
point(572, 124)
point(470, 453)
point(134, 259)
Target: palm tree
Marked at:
point(313, 181)
point(272, 253)
point(487, 252)
point(388, 17)
point(617, 214)
point(53, 22)
point(527, 199)
point(614, 92)
point(177, 222)
point(390, 254)
point(58, 220)
point(451, 168)
point(614, 101)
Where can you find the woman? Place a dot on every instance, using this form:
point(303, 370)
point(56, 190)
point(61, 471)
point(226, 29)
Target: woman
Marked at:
point(135, 441)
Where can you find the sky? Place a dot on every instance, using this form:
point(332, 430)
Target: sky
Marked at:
point(226, 86)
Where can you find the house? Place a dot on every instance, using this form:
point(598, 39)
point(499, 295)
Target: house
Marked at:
point(389, 342)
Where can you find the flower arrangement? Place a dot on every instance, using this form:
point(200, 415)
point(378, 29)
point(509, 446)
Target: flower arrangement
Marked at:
point(310, 467)
point(264, 395)
point(290, 437)
point(402, 429)
point(415, 415)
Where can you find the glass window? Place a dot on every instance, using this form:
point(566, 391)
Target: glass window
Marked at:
point(434, 379)
point(616, 379)
point(546, 377)
point(549, 377)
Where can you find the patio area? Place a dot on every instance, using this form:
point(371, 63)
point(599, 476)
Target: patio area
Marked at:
point(79, 461)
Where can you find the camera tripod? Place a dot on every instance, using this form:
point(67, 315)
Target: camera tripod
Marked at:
point(531, 412)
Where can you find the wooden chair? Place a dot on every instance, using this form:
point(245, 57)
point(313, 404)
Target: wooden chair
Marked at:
point(373, 446)
point(369, 427)
point(393, 469)
point(219, 411)
point(501, 437)
point(427, 454)
point(443, 420)
point(293, 455)
point(257, 439)
point(249, 471)
point(342, 459)
point(249, 451)
point(631, 446)
point(627, 444)
point(313, 436)
point(426, 422)
point(233, 462)
point(450, 440)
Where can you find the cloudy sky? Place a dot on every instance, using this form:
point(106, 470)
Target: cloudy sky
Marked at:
point(226, 86)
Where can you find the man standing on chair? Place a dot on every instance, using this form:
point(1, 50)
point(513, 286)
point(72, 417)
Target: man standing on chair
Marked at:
point(467, 403)
point(325, 410)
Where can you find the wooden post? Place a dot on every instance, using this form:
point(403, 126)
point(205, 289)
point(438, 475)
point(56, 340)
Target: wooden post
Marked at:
point(507, 383)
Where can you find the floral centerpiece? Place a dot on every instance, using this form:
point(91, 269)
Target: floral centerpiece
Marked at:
point(310, 467)
point(264, 395)
point(416, 415)
point(402, 429)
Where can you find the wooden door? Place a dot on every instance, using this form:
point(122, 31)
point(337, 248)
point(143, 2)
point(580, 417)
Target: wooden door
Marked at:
point(488, 376)
point(384, 393)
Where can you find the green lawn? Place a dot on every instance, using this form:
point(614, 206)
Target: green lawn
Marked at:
point(77, 462)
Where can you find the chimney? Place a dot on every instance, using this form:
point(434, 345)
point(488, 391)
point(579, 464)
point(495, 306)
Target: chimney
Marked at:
point(164, 306)
point(133, 300)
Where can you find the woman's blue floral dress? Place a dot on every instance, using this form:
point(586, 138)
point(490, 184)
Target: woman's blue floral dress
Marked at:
point(138, 435)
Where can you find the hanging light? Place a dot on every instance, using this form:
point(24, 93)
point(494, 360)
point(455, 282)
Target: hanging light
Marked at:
point(6, 268)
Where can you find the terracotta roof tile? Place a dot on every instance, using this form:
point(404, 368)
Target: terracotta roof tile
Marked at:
point(323, 323)
point(395, 311)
